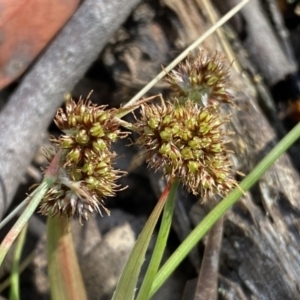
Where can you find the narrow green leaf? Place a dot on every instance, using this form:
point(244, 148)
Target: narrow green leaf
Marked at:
point(128, 280)
point(17, 210)
point(15, 275)
point(160, 245)
point(195, 236)
point(36, 196)
point(20, 223)
point(64, 273)
point(24, 264)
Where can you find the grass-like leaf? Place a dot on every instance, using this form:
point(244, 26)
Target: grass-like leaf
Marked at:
point(17, 210)
point(20, 223)
point(15, 272)
point(64, 273)
point(128, 280)
point(36, 197)
point(160, 245)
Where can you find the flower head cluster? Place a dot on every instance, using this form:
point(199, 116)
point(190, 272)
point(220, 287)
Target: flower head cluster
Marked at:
point(188, 142)
point(86, 173)
point(202, 79)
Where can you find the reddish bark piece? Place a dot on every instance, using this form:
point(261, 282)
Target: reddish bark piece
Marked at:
point(26, 26)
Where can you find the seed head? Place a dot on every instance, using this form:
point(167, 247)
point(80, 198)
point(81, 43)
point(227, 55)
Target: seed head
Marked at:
point(186, 140)
point(86, 126)
point(86, 173)
point(203, 79)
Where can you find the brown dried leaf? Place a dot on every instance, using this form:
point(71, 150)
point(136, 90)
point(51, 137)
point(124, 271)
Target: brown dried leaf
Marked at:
point(26, 26)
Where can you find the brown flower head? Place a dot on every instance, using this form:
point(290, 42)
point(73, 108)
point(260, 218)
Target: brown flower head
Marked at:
point(187, 141)
point(86, 174)
point(202, 79)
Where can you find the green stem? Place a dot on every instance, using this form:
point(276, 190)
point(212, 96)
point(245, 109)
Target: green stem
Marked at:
point(36, 197)
point(195, 236)
point(128, 280)
point(16, 211)
point(15, 275)
point(160, 243)
point(66, 281)
point(23, 265)
point(20, 223)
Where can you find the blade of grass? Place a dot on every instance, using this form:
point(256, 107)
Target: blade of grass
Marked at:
point(128, 280)
point(20, 223)
point(64, 273)
point(184, 54)
point(24, 264)
point(195, 236)
point(21, 206)
point(36, 197)
point(14, 293)
point(160, 243)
